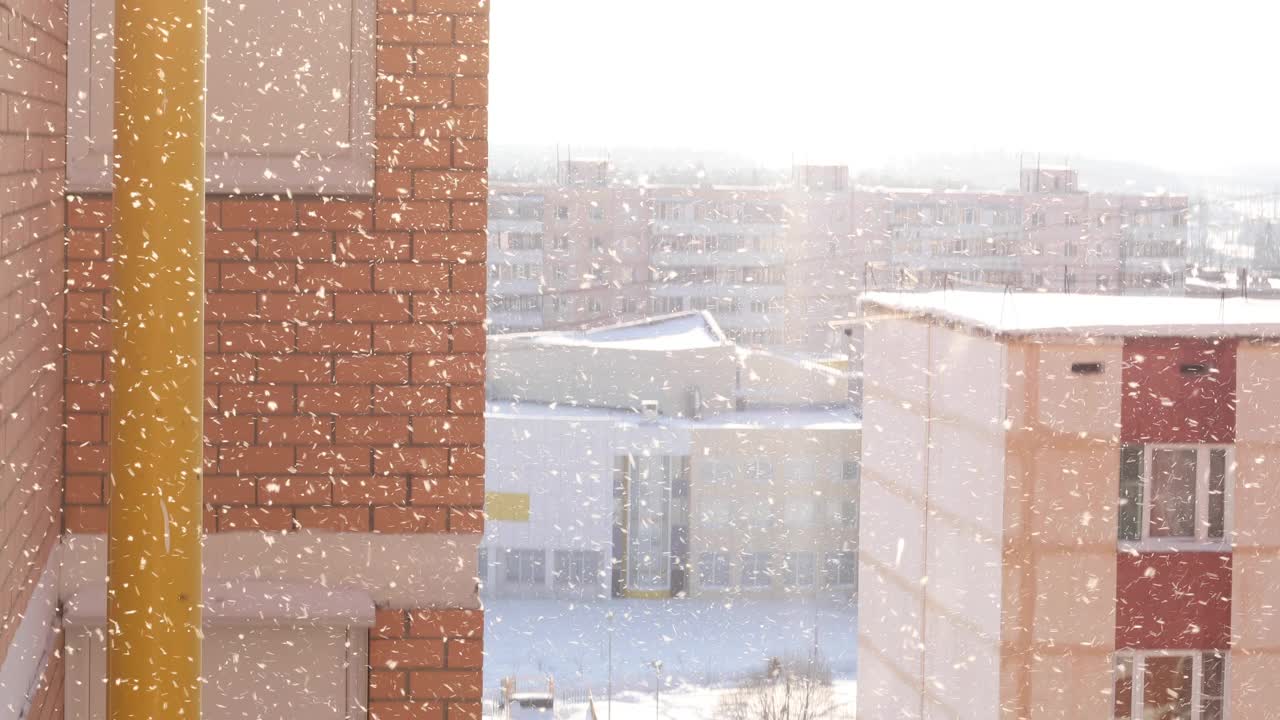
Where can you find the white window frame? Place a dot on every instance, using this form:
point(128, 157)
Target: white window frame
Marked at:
point(791, 576)
point(522, 559)
point(830, 560)
point(764, 574)
point(1139, 657)
point(714, 558)
point(1201, 542)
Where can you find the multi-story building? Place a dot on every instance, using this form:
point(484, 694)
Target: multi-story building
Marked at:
point(657, 458)
point(1067, 507)
point(1048, 235)
point(777, 263)
point(591, 248)
point(568, 253)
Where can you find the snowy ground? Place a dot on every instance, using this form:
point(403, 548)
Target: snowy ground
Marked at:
point(684, 704)
point(703, 646)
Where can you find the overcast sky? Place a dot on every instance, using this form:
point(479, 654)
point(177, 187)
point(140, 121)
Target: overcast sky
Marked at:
point(1179, 85)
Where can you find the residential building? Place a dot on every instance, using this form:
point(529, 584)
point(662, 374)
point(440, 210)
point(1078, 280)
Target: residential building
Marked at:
point(1067, 506)
point(344, 226)
point(1048, 235)
point(777, 263)
point(592, 247)
point(656, 458)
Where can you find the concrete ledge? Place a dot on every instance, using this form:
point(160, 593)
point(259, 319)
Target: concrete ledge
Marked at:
point(411, 571)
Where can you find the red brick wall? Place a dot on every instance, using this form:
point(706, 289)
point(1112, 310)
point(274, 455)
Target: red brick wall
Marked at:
point(1173, 601)
point(49, 698)
point(1162, 404)
point(424, 662)
point(345, 345)
point(32, 162)
point(344, 376)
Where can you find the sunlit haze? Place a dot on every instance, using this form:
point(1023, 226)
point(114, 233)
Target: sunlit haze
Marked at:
point(1169, 84)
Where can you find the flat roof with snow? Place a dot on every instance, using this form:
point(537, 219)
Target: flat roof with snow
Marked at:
point(681, 331)
point(772, 418)
point(1106, 315)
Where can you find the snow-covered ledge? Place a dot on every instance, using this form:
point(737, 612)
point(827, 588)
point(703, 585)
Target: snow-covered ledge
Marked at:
point(240, 602)
point(407, 571)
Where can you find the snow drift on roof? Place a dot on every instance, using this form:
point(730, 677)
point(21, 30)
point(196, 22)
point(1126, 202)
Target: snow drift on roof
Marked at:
point(682, 331)
point(1115, 315)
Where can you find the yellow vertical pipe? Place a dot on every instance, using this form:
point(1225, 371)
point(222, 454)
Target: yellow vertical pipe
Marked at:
point(155, 514)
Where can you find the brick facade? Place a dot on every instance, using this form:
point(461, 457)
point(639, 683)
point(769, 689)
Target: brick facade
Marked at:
point(33, 37)
point(423, 662)
point(344, 385)
point(48, 701)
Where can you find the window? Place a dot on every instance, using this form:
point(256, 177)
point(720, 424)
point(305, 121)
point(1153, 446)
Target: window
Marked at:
point(717, 516)
point(755, 570)
point(1174, 684)
point(576, 568)
point(597, 212)
point(562, 212)
point(800, 569)
point(850, 471)
point(756, 518)
point(798, 512)
point(1175, 494)
point(525, 567)
point(713, 569)
point(759, 470)
point(847, 513)
point(840, 568)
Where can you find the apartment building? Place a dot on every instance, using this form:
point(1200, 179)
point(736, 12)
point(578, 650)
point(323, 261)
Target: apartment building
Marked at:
point(1067, 506)
point(568, 253)
point(341, 279)
point(657, 458)
point(592, 248)
point(777, 263)
point(1049, 235)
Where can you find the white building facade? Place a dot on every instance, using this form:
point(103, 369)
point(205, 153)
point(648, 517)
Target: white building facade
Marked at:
point(657, 459)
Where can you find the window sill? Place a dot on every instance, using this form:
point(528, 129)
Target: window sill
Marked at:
point(1174, 545)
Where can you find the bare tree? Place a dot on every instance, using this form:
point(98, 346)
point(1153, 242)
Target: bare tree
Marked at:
point(786, 690)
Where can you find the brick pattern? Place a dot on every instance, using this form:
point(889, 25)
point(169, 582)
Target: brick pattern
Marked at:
point(345, 339)
point(426, 664)
point(33, 36)
point(49, 698)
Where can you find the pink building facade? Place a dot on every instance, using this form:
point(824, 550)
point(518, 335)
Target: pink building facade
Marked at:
point(1066, 507)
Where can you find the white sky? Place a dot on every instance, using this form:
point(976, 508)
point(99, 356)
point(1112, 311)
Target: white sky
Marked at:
point(1180, 85)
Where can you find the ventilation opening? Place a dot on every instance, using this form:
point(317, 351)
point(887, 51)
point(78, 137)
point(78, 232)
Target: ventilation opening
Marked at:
point(1086, 368)
point(649, 408)
point(1195, 369)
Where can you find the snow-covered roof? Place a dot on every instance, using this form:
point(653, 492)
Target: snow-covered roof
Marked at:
point(681, 331)
point(1107, 315)
point(774, 418)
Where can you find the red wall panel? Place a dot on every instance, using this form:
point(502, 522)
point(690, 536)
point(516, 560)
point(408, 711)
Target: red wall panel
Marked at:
point(1179, 390)
point(1173, 601)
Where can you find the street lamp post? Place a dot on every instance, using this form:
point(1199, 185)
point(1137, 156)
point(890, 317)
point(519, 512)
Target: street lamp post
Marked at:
point(657, 689)
point(610, 701)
